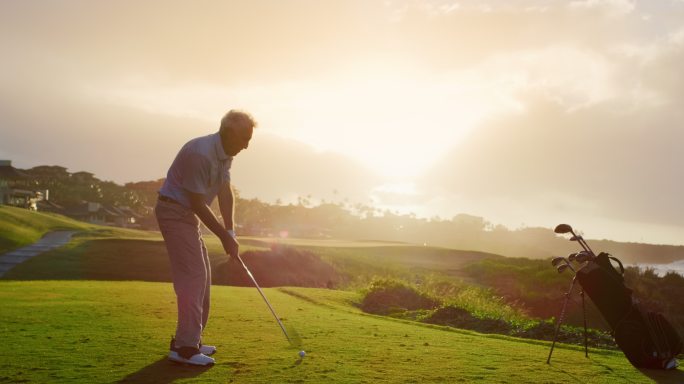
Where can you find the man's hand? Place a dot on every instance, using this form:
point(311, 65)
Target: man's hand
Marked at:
point(230, 243)
point(227, 237)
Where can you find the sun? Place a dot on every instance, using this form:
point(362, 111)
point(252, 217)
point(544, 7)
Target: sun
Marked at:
point(392, 123)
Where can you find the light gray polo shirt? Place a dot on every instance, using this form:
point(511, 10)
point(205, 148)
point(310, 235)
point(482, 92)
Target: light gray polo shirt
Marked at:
point(201, 166)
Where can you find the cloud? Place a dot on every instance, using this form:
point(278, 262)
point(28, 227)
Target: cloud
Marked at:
point(495, 93)
point(613, 8)
point(605, 162)
point(278, 168)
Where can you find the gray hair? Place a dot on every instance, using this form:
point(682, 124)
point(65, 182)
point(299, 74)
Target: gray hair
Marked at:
point(235, 116)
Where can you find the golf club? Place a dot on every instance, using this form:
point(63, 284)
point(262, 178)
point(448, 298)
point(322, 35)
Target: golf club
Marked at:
point(557, 260)
point(563, 228)
point(566, 228)
point(582, 257)
point(579, 257)
point(560, 318)
point(292, 339)
point(561, 264)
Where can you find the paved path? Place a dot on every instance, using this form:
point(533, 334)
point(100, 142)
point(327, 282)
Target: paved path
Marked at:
point(50, 241)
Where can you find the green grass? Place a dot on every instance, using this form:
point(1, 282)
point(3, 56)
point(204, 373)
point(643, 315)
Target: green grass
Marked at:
point(80, 330)
point(85, 331)
point(108, 253)
point(21, 227)
point(94, 256)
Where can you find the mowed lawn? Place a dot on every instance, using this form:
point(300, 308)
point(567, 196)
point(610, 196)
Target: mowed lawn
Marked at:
point(97, 331)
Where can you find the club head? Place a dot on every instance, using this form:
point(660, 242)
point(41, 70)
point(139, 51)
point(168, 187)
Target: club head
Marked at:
point(583, 256)
point(563, 228)
point(572, 256)
point(574, 238)
point(558, 260)
point(561, 268)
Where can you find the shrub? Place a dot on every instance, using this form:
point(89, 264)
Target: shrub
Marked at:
point(460, 318)
point(387, 296)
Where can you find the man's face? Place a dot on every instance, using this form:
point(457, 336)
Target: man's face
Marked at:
point(236, 138)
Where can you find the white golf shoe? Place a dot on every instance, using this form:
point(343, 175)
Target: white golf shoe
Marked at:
point(207, 349)
point(672, 364)
point(196, 359)
point(191, 355)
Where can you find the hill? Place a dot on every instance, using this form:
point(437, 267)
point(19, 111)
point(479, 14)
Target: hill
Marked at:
point(19, 227)
point(341, 219)
point(85, 332)
point(111, 253)
point(22, 227)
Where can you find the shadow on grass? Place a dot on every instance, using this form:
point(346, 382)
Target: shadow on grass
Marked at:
point(164, 371)
point(660, 376)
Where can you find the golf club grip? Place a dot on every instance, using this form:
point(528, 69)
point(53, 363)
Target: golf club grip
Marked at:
point(282, 327)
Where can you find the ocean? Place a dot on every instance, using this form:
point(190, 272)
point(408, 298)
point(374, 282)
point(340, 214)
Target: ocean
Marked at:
point(662, 269)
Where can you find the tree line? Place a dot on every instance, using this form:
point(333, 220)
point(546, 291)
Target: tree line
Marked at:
point(342, 219)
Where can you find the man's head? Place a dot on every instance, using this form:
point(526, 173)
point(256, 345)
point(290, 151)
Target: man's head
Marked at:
point(236, 131)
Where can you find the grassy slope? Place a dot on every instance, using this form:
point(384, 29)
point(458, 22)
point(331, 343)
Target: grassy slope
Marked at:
point(20, 227)
point(117, 254)
point(108, 253)
point(107, 258)
point(118, 331)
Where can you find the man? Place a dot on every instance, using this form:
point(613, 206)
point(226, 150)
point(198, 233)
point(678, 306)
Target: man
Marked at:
point(199, 173)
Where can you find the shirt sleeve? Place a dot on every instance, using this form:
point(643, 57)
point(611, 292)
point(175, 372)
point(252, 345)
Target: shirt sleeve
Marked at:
point(195, 173)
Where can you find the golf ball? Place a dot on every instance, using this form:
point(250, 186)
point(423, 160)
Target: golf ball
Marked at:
point(302, 353)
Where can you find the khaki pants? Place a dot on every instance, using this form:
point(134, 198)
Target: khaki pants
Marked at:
point(189, 268)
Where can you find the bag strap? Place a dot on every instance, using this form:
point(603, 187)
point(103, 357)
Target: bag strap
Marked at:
point(622, 269)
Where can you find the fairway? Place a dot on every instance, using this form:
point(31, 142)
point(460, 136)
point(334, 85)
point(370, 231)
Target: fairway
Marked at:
point(92, 332)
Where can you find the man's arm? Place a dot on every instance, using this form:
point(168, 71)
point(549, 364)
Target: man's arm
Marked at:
point(227, 206)
point(199, 206)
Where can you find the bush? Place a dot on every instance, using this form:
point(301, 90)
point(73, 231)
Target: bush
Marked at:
point(460, 318)
point(386, 296)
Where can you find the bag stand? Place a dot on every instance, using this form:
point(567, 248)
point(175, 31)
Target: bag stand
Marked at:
point(562, 317)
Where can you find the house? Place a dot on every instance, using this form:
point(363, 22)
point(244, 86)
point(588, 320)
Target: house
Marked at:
point(15, 188)
point(97, 213)
point(126, 217)
point(50, 206)
point(87, 211)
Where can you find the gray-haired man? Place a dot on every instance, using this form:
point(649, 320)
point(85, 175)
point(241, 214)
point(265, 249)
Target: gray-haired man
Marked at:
point(199, 173)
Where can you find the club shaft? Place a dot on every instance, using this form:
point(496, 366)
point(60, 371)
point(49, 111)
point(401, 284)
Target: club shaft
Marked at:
point(560, 320)
point(583, 243)
point(584, 315)
point(282, 327)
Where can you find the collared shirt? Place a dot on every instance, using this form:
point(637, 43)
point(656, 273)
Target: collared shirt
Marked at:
point(201, 166)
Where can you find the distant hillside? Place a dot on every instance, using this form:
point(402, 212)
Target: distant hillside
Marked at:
point(341, 220)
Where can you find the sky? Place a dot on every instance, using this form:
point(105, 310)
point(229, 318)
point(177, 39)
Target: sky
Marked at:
point(527, 113)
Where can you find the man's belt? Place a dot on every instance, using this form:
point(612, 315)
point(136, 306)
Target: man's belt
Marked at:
point(168, 199)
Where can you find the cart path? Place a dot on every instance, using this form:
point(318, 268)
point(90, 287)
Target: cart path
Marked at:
point(49, 241)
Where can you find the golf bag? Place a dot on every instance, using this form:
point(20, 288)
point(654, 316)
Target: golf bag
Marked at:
point(647, 339)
